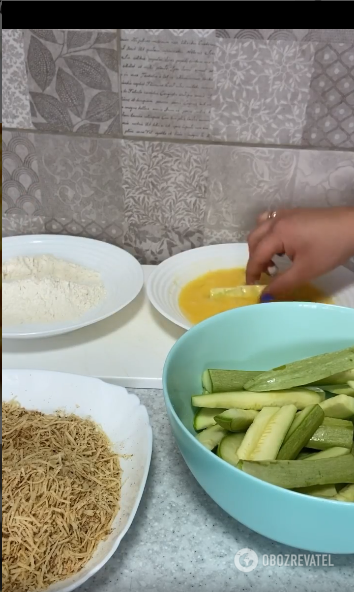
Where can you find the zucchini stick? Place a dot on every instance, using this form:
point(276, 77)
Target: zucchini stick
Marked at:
point(256, 401)
point(303, 371)
point(223, 381)
point(292, 474)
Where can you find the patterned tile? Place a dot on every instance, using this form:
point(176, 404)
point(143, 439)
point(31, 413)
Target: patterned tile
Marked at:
point(15, 96)
point(153, 243)
point(21, 193)
point(13, 225)
point(165, 184)
point(243, 182)
point(104, 230)
point(324, 178)
point(167, 84)
point(271, 34)
point(81, 177)
point(330, 111)
point(73, 79)
point(262, 90)
point(173, 33)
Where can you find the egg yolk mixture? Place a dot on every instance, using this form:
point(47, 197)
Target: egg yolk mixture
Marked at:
point(197, 305)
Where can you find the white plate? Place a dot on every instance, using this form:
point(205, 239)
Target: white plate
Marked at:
point(166, 282)
point(125, 422)
point(122, 276)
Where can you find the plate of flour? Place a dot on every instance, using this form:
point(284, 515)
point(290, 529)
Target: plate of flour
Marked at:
point(56, 284)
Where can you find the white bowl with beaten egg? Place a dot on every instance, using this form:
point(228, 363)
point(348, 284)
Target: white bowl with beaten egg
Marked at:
point(168, 279)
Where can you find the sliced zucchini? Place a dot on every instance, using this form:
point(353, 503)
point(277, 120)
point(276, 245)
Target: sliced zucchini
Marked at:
point(292, 474)
point(329, 453)
point(224, 381)
point(346, 494)
point(236, 420)
point(255, 431)
point(339, 378)
point(256, 401)
point(330, 436)
point(250, 291)
point(303, 371)
point(228, 447)
point(303, 427)
point(211, 437)
point(339, 407)
point(268, 445)
point(204, 418)
point(327, 491)
point(339, 389)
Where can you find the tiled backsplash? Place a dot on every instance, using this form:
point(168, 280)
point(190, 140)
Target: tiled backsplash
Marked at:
point(160, 140)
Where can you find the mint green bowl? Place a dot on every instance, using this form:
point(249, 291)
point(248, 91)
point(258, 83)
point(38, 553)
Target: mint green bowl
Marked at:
point(253, 338)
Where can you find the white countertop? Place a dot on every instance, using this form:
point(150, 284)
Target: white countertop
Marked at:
point(129, 348)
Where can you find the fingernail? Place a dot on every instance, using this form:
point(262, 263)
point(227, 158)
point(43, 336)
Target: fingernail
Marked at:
point(267, 298)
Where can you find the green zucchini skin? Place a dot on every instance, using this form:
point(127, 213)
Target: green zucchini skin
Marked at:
point(303, 372)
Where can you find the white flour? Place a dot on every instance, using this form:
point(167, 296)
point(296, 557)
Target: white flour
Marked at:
point(44, 289)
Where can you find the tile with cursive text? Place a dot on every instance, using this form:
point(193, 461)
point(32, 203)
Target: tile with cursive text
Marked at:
point(166, 85)
point(73, 80)
point(261, 90)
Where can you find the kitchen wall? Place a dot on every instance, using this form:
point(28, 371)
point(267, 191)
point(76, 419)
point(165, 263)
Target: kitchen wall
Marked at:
point(159, 140)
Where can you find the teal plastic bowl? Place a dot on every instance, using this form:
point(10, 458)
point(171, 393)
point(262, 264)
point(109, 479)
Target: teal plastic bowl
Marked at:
point(258, 338)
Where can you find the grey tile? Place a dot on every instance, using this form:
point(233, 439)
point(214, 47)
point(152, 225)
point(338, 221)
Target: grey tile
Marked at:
point(17, 224)
point(15, 95)
point(73, 79)
point(324, 178)
point(271, 34)
point(81, 177)
point(104, 230)
point(172, 33)
point(165, 184)
point(243, 182)
point(167, 83)
point(21, 192)
point(329, 114)
point(154, 243)
point(261, 90)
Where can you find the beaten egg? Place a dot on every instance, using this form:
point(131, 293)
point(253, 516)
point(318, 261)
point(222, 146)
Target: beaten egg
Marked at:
point(197, 305)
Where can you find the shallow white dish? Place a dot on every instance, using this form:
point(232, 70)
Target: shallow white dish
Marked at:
point(166, 282)
point(125, 422)
point(122, 277)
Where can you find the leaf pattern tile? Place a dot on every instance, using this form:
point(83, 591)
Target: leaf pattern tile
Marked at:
point(73, 80)
point(261, 90)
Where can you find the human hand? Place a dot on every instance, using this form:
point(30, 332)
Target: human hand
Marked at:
point(316, 240)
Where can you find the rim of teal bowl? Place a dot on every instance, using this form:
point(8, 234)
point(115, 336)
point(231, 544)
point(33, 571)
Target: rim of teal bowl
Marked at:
point(194, 442)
